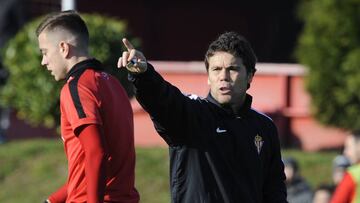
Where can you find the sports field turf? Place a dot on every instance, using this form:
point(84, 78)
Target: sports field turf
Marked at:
point(31, 169)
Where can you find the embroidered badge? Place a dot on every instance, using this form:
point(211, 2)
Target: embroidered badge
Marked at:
point(105, 75)
point(258, 143)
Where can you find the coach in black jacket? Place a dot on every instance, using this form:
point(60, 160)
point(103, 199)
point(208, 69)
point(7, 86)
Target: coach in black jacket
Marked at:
point(221, 150)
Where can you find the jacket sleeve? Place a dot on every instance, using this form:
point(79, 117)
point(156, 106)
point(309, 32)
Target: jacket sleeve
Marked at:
point(170, 110)
point(59, 196)
point(93, 144)
point(274, 185)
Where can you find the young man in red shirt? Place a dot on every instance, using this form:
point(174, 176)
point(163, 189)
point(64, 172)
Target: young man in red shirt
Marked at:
point(96, 116)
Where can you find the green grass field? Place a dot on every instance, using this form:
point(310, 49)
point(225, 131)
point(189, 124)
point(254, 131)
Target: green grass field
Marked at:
point(32, 169)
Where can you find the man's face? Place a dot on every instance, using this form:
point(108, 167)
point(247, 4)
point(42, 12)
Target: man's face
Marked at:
point(227, 78)
point(322, 196)
point(289, 173)
point(338, 174)
point(51, 55)
point(351, 149)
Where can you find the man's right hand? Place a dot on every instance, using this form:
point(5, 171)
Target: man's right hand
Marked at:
point(132, 59)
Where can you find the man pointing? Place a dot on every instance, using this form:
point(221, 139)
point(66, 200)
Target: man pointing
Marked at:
point(221, 150)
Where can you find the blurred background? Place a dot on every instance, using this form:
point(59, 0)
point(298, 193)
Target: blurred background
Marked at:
point(307, 79)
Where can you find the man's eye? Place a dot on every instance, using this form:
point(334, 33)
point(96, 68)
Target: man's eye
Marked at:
point(234, 68)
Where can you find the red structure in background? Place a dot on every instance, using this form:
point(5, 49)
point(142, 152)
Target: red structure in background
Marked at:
point(277, 90)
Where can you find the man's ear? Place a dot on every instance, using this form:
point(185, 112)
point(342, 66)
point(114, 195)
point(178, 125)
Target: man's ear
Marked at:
point(64, 49)
point(250, 77)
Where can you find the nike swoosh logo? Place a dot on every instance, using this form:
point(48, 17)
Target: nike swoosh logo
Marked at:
point(218, 130)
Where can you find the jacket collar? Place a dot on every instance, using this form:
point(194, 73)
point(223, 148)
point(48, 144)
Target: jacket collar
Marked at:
point(242, 111)
point(88, 63)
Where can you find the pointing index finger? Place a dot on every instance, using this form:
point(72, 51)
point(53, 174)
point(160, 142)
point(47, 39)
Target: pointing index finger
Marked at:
point(127, 44)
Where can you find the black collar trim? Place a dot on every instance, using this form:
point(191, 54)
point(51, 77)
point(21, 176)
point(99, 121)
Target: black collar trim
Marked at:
point(86, 64)
point(242, 111)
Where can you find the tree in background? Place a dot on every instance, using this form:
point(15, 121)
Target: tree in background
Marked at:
point(32, 91)
point(330, 47)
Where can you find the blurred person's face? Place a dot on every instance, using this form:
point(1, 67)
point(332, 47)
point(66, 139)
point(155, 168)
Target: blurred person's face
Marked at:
point(289, 173)
point(322, 196)
point(352, 149)
point(338, 174)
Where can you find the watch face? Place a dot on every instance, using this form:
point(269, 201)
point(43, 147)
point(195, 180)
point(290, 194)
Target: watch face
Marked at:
point(131, 63)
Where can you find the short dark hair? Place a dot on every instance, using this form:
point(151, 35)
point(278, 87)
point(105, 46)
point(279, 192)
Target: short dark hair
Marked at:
point(291, 162)
point(341, 161)
point(69, 20)
point(328, 187)
point(236, 45)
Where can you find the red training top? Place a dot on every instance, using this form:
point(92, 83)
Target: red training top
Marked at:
point(94, 97)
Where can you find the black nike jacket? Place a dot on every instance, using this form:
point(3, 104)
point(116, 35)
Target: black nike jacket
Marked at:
point(215, 155)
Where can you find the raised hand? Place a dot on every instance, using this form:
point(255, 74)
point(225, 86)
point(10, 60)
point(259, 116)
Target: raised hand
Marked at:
point(132, 59)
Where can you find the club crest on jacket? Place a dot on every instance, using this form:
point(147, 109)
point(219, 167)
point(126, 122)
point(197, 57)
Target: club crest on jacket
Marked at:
point(258, 143)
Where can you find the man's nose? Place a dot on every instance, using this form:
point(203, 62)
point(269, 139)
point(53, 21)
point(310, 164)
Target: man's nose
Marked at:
point(43, 61)
point(224, 74)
